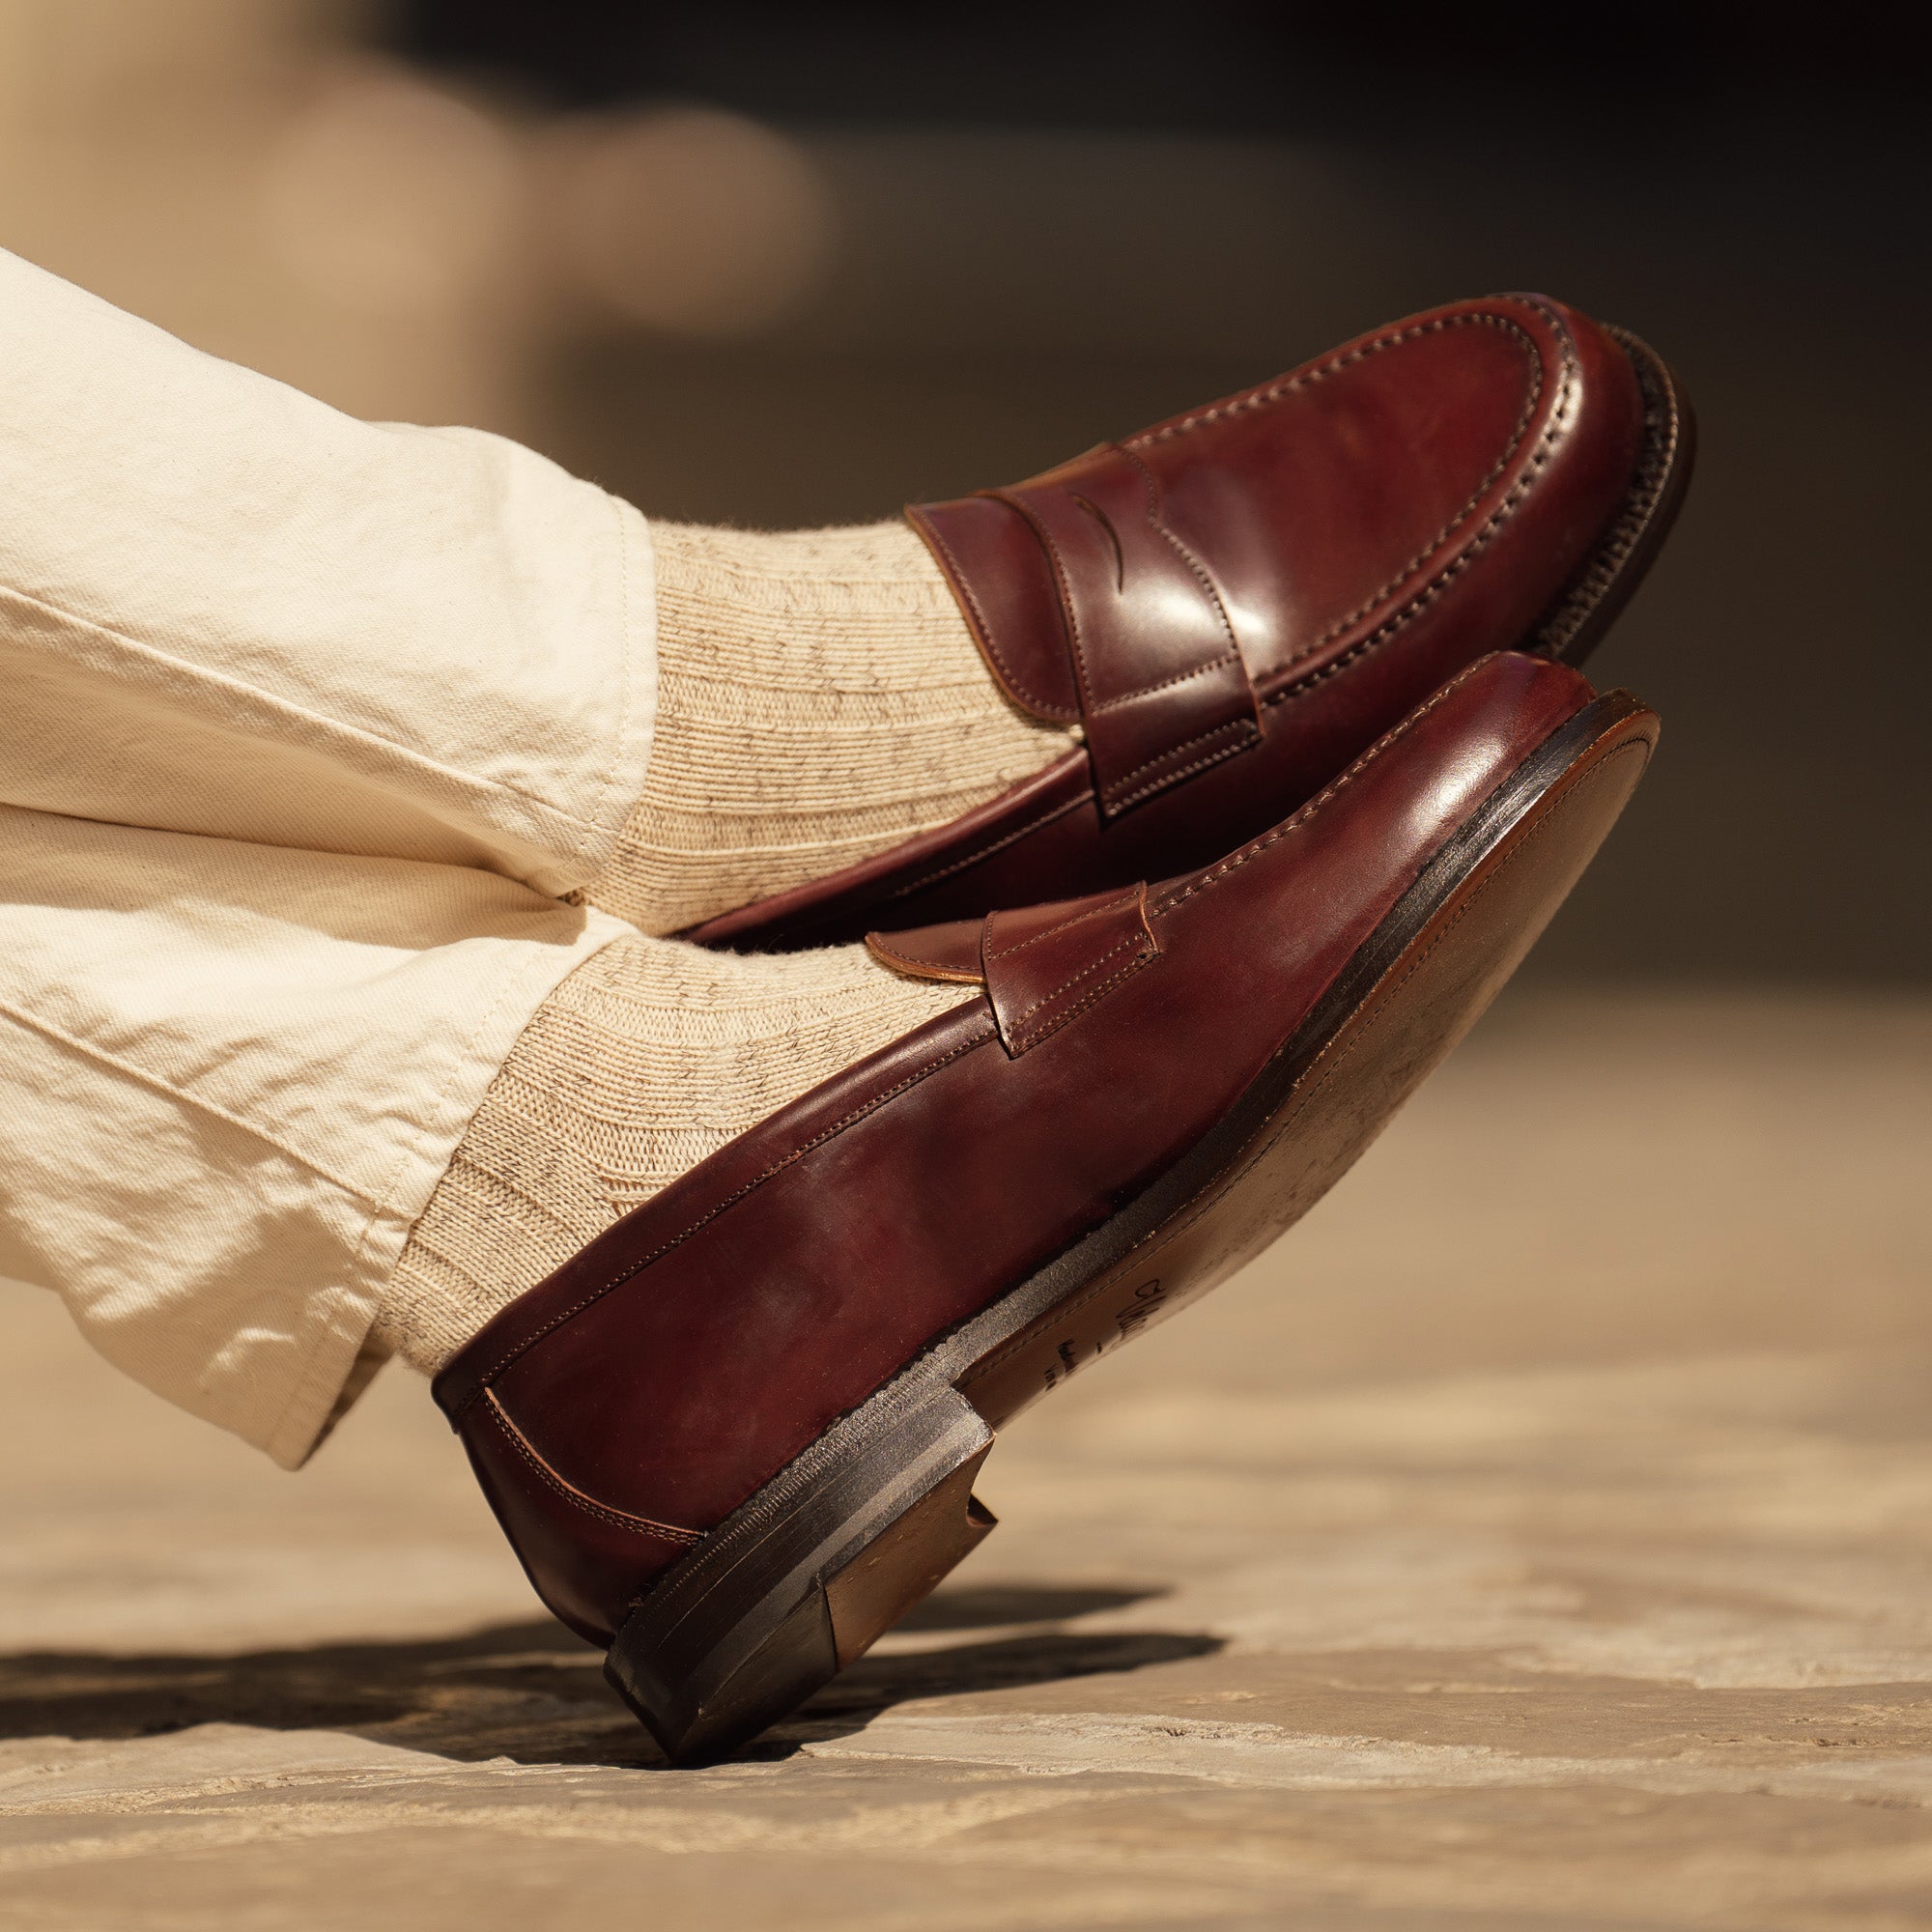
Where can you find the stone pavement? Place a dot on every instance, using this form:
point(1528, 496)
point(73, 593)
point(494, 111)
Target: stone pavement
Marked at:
point(1540, 1537)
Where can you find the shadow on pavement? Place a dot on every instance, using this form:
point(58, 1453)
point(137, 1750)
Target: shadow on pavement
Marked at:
point(875, 1683)
point(1015, 1603)
point(532, 1692)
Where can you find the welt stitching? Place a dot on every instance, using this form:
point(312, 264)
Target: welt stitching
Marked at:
point(1322, 798)
point(1094, 912)
point(1662, 435)
point(986, 1032)
point(1073, 979)
point(621, 1518)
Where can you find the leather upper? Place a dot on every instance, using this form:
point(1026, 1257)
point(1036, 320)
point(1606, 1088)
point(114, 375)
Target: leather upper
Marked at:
point(1138, 646)
point(634, 1398)
point(1041, 967)
point(1234, 603)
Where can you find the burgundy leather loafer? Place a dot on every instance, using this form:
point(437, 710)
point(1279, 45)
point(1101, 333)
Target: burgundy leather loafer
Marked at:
point(1234, 603)
point(734, 1439)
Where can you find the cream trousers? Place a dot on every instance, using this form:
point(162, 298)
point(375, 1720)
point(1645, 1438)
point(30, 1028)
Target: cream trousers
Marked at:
point(306, 724)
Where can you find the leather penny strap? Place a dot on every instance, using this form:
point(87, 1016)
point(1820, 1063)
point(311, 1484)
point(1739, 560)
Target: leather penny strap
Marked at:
point(1153, 665)
point(1041, 966)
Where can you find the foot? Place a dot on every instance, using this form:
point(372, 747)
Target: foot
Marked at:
point(1230, 604)
point(733, 1438)
point(645, 1060)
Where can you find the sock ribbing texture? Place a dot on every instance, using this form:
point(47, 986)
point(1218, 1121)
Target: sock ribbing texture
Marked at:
point(645, 1059)
point(819, 699)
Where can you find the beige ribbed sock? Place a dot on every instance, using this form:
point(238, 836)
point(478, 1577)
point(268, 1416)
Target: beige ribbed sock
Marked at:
point(645, 1059)
point(819, 699)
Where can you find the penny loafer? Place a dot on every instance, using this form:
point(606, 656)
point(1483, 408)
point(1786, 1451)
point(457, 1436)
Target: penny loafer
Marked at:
point(1233, 603)
point(734, 1439)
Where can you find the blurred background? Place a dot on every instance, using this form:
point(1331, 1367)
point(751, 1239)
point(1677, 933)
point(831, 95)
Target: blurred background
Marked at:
point(780, 265)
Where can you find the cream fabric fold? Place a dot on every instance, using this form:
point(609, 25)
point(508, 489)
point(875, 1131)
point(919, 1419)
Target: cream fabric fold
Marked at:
point(305, 726)
point(277, 623)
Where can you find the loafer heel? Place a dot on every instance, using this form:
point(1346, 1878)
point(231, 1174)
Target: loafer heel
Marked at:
point(907, 1561)
point(802, 1580)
